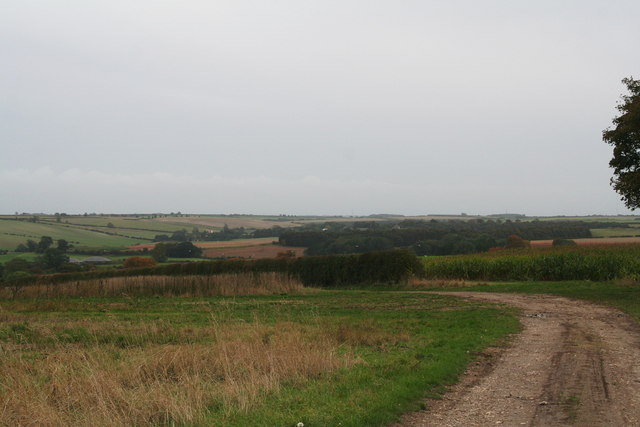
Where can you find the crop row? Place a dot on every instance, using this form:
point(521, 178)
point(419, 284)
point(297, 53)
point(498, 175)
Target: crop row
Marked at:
point(606, 263)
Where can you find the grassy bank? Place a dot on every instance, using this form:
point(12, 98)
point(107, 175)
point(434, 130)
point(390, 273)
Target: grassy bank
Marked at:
point(350, 358)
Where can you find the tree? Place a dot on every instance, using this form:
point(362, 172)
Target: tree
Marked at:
point(31, 246)
point(22, 248)
point(625, 139)
point(516, 242)
point(159, 252)
point(63, 245)
point(183, 250)
point(44, 244)
point(53, 259)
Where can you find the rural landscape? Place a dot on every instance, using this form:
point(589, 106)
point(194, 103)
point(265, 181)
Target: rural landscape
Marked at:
point(176, 319)
point(293, 213)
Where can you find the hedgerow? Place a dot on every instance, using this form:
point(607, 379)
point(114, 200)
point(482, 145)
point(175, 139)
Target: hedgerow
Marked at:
point(386, 267)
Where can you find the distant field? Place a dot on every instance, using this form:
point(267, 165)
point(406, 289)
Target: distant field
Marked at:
point(592, 241)
point(218, 222)
point(237, 243)
point(604, 218)
point(241, 248)
point(261, 222)
point(12, 255)
point(12, 233)
point(89, 231)
point(615, 232)
point(222, 244)
point(255, 252)
point(131, 223)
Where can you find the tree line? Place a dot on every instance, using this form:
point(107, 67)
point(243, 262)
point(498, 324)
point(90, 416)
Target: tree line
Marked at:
point(430, 237)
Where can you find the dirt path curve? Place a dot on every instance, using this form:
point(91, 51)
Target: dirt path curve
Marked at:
point(575, 363)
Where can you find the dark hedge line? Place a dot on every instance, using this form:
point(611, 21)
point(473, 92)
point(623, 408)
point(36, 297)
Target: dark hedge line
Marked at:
point(386, 267)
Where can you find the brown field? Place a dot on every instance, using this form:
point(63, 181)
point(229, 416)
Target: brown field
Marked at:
point(255, 252)
point(594, 241)
point(218, 222)
point(231, 222)
point(237, 243)
point(240, 243)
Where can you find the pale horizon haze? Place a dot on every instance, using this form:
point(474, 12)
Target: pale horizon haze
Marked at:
point(312, 107)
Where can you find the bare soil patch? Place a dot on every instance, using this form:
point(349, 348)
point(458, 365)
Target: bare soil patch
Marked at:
point(220, 244)
point(574, 363)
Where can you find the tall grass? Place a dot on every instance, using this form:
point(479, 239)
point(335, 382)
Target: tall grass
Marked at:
point(47, 378)
point(351, 358)
point(216, 285)
point(566, 263)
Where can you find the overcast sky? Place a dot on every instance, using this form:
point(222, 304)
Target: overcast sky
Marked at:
point(312, 107)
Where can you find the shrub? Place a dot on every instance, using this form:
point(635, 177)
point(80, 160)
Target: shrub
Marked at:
point(516, 242)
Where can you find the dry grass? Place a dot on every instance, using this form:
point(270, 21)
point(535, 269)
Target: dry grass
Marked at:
point(367, 333)
point(47, 381)
point(218, 285)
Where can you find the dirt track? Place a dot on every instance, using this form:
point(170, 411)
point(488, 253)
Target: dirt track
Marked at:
point(574, 363)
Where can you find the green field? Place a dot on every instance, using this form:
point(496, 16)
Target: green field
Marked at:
point(86, 231)
point(12, 233)
point(597, 263)
point(11, 255)
point(349, 358)
point(615, 232)
point(624, 295)
point(115, 231)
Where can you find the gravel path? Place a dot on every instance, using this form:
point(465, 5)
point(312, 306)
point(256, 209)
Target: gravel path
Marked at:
point(574, 363)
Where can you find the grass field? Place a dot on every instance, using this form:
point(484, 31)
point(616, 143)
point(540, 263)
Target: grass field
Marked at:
point(349, 358)
point(91, 231)
point(615, 232)
point(12, 233)
point(12, 255)
point(622, 294)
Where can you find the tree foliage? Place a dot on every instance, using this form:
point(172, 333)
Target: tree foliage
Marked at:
point(53, 259)
point(44, 244)
point(624, 136)
point(159, 252)
point(431, 238)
